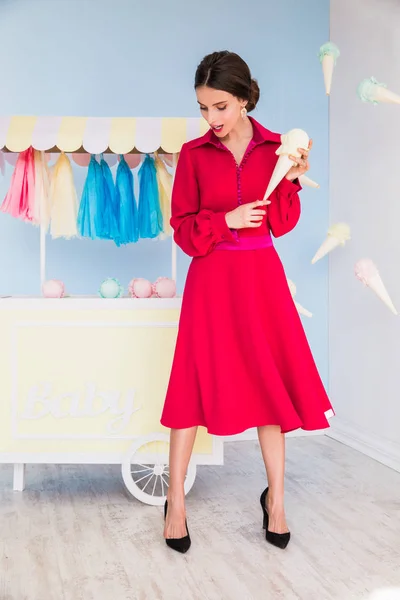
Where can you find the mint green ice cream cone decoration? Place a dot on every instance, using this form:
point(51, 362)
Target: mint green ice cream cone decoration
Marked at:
point(328, 55)
point(370, 90)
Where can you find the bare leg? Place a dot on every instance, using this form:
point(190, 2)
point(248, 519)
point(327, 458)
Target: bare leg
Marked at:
point(181, 446)
point(272, 443)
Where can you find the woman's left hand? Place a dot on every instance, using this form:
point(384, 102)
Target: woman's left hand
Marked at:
point(301, 165)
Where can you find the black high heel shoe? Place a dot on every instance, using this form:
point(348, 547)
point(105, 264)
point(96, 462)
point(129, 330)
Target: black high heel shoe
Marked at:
point(280, 540)
point(179, 544)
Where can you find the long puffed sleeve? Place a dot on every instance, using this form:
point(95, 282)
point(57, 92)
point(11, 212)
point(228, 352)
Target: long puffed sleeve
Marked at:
point(284, 210)
point(196, 231)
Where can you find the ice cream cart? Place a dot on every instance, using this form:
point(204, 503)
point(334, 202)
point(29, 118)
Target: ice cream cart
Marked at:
point(83, 379)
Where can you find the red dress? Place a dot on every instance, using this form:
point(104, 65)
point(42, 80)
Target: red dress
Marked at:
point(242, 358)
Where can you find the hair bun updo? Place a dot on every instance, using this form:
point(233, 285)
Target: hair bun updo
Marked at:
point(254, 95)
point(228, 72)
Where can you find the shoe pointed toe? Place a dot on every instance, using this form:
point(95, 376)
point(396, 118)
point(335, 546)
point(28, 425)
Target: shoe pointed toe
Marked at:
point(181, 545)
point(280, 540)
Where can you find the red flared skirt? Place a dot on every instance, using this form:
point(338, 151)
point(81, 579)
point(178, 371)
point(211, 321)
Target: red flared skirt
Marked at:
point(242, 358)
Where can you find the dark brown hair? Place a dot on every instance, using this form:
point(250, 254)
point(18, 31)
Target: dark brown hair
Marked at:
point(228, 72)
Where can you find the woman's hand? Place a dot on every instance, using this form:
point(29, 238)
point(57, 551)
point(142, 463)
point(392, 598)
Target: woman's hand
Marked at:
point(247, 215)
point(301, 165)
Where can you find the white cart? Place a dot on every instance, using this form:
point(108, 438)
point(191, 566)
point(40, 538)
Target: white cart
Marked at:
point(83, 379)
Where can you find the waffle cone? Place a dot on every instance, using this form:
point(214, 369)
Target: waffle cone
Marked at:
point(327, 246)
point(376, 284)
point(284, 163)
point(384, 95)
point(328, 63)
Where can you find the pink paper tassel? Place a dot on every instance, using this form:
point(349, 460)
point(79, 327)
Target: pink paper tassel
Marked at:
point(20, 198)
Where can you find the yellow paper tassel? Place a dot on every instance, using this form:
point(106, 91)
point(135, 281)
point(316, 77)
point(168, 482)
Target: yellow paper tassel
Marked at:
point(164, 181)
point(64, 201)
point(42, 207)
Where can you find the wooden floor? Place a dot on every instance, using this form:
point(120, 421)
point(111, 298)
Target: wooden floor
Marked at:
point(74, 533)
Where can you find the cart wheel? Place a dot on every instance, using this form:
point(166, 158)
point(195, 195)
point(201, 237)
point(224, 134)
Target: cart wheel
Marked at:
point(145, 469)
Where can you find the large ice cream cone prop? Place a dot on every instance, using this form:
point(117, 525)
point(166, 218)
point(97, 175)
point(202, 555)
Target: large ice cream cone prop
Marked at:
point(366, 272)
point(293, 290)
point(290, 143)
point(282, 167)
point(338, 235)
point(328, 54)
point(369, 90)
point(304, 180)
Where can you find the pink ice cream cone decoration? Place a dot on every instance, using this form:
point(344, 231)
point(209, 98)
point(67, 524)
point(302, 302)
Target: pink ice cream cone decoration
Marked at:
point(366, 271)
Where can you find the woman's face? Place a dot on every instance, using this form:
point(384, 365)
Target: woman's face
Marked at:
point(220, 109)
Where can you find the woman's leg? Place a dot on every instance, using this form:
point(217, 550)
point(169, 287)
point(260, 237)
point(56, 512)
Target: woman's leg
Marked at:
point(181, 446)
point(272, 443)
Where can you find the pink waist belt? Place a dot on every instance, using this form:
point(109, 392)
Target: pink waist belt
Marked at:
point(246, 243)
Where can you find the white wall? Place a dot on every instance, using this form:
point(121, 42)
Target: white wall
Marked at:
point(365, 192)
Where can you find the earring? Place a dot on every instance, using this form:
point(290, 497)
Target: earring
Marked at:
point(243, 112)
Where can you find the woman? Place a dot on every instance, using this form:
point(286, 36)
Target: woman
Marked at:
point(241, 359)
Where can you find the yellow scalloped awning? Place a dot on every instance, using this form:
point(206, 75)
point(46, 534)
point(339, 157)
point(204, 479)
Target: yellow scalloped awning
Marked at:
point(95, 135)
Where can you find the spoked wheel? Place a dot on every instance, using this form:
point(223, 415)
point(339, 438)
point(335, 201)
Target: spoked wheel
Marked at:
point(145, 469)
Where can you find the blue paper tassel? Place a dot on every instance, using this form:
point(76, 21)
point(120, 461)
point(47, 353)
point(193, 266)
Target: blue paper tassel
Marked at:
point(126, 204)
point(110, 229)
point(150, 215)
point(92, 206)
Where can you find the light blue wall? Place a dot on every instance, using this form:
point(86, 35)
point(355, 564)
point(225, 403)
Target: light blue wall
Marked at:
point(130, 58)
